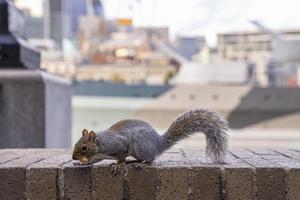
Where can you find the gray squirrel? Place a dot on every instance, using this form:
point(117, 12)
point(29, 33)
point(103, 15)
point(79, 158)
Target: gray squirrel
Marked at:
point(138, 139)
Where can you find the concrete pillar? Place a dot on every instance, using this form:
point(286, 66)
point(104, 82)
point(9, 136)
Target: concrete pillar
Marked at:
point(35, 107)
point(35, 110)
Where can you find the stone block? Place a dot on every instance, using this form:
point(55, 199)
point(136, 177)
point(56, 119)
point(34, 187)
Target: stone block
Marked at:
point(7, 156)
point(204, 176)
point(270, 183)
point(293, 154)
point(35, 110)
point(12, 176)
point(41, 177)
point(287, 159)
point(238, 179)
point(293, 183)
point(173, 183)
point(204, 183)
point(104, 184)
point(74, 182)
point(238, 182)
point(141, 183)
point(269, 175)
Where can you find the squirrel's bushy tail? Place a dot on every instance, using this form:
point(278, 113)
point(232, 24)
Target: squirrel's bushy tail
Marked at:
point(209, 122)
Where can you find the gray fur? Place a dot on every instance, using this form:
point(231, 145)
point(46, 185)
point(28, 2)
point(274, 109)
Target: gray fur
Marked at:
point(138, 139)
point(206, 121)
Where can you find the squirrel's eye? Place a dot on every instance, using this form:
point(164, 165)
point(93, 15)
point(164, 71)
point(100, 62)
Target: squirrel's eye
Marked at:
point(84, 148)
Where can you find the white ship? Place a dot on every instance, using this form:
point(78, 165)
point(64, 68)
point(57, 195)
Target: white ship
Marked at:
point(221, 87)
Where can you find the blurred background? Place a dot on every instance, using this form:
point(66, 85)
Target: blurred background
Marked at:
point(153, 60)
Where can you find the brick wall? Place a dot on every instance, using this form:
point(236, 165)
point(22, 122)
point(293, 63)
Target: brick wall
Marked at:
point(177, 174)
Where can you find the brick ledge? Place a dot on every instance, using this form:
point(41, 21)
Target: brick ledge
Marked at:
point(177, 174)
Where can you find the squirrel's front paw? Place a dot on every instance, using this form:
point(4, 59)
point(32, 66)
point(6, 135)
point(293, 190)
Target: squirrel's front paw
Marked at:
point(76, 163)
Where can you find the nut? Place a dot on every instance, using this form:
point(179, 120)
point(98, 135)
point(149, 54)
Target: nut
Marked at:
point(84, 160)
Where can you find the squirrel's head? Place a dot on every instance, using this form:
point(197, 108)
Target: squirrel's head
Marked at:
point(85, 148)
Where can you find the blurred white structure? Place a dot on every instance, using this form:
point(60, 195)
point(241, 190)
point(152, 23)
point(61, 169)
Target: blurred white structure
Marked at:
point(284, 62)
point(197, 73)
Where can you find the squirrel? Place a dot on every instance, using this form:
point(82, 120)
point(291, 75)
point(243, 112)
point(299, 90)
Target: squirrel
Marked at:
point(138, 139)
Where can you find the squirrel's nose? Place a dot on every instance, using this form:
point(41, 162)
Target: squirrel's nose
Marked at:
point(73, 157)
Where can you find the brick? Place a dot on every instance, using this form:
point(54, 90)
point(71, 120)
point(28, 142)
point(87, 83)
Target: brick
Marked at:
point(238, 179)
point(292, 172)
point(243, 153)
point(12, 176)
point(172, 175)
point(204, 176)
point(33, 152)
point(259, 151)
point(104, 184)
point(289, 153)
point(141, 183)
point(75, 182)
point(169, 157)
point(293, 183)
point(7, 156)
point(204, 183)
point(41, 177)
point(238, 183)
point(270, 183)
point(282, 161)
point(173, 183)
point(197, 158)
point(269, 177)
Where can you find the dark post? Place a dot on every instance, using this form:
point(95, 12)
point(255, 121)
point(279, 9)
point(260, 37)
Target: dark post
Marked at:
point(14, 50)
point(3, 17)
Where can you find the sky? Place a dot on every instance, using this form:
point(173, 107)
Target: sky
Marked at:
point(200, 17)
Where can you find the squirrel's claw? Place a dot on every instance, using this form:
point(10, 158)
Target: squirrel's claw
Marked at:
point(116, 167)
point(139, 165)
point(76, 163)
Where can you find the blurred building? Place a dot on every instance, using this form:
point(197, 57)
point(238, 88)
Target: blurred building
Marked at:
point(54, 20)
point(127, 73)
point(188, 46)
point(161, 33)
point(62, 18)
point(92, 31)
point(76, 9)
point(254, 47)
point(34, 27)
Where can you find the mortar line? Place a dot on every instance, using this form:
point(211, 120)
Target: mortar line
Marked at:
point(283, 154)
point(265, 159)
point(10, 160)
point(222, 192)
point(241, 159)
point(284, 168)
point(295, 150)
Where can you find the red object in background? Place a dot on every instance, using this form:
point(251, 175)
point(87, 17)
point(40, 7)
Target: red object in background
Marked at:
point(292, 82)
point(98, 58)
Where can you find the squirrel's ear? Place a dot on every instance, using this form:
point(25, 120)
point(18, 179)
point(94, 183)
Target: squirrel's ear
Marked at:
point(85, 132)
point(92, 136)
